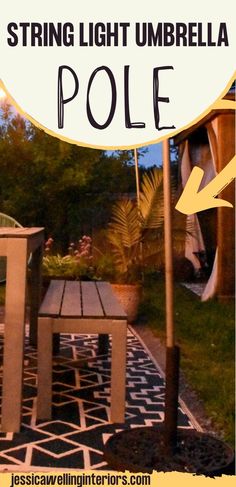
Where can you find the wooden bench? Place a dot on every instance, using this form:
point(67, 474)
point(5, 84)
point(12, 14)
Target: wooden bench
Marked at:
point(81, 307)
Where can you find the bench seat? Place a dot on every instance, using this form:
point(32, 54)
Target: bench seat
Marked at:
point(81, 307)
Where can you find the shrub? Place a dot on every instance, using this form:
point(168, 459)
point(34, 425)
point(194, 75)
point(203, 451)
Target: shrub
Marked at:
point(77, 264)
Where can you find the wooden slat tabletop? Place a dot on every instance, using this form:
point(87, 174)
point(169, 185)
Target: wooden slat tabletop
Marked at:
point(91, 305)
point(111, 306)
point(74, 299)
point(51, 305)
point(71, 305)
point(7, 232)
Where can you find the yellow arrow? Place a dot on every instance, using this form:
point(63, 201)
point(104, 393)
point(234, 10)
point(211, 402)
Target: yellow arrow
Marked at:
point(192, 200)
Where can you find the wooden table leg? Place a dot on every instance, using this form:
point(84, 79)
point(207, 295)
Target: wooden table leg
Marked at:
point(35, 293)
point(44, 401)
point(14, 334)
point(118, 371)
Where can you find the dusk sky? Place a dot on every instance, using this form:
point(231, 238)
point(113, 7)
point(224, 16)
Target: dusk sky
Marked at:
point(153, 155)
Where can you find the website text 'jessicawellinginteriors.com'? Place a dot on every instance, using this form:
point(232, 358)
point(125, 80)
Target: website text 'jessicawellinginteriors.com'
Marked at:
point(80, 480)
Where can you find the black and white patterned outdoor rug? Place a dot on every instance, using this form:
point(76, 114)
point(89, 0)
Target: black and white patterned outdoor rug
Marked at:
point(74, 438)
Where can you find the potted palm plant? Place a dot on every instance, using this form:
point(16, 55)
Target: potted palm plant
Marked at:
point(136, 238)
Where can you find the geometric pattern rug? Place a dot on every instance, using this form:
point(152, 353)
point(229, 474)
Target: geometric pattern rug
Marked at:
point(80, 426)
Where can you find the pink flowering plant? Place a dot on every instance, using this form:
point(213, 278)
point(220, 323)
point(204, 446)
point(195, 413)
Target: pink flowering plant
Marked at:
point(76, 264)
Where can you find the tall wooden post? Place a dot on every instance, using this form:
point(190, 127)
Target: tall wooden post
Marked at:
point(225, 131)
point(170, 332)
point(137, 176)
point(172, 351)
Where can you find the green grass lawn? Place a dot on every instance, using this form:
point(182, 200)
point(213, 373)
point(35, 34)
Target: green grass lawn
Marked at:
point(205, 333)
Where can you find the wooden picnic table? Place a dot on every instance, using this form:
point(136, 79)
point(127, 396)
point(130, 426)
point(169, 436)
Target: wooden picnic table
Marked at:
point(81, 307)
point(16, 244)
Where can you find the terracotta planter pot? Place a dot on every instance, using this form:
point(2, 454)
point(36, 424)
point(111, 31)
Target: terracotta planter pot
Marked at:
point(129, 296)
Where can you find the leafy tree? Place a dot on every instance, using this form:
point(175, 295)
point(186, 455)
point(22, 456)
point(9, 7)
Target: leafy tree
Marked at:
point(63, 187)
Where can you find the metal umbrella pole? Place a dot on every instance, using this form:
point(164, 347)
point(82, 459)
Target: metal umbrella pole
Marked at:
point(172, 351)
point(147, 448)
point(137, 176)
point(138, 201)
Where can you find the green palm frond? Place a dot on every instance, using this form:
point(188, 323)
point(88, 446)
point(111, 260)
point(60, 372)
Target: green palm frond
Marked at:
point(125, 223)
point(136, 234)
point(152, 199)
point(153, 248)
point(120, 252)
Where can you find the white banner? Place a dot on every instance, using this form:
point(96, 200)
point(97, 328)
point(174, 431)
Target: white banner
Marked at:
point(116, 74)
